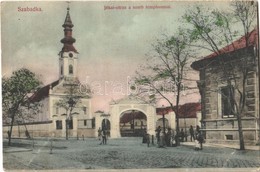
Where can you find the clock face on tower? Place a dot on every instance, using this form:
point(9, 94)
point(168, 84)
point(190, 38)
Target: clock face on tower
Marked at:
point(70, 54)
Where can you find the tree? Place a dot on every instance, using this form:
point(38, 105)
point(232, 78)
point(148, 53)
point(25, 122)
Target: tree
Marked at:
point(211, 30)
point(16, 92)
point(165, 71)
point(71, 100)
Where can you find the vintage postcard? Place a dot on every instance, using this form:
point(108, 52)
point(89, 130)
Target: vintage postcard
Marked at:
point(130, 85)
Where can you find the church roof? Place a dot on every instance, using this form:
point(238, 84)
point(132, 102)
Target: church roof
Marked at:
point(43, 92)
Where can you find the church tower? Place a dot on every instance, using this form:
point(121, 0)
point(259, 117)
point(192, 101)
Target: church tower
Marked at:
point(68, 56)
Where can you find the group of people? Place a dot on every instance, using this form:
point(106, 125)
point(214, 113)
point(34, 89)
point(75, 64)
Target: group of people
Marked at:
point(102, 134)
point(197, 136)
point(164, 139)
point(193, 134)
point(169, 138)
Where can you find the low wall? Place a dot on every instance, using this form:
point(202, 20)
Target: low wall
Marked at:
point(35, 130)
point(46, 130)
point(231, 142)
point(229, 136)
point(87, 132)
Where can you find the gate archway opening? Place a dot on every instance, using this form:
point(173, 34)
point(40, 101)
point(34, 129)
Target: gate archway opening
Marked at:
point(133, 123)
point(106, 125)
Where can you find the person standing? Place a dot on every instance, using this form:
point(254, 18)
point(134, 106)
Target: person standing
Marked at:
point(104, 137)
point(158, 131)
point(148, 139)
point(200, 139)
point(191, 133)
point(173, 138)
point(144, 133)
point(168, 137)
point(199, 136)
point(99, 133)
point(182, 135)
point(161, 140)
point(197, 131)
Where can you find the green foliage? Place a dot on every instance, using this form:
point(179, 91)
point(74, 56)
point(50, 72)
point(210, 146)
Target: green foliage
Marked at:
point(142, 80)
point(17, 89)
point(166, 69)
point(16, 93)
point(219, 20)
point(211, 29)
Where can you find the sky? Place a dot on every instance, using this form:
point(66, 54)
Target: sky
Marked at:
point(112, 43)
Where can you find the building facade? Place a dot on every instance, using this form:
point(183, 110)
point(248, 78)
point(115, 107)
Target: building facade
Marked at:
point(81, 118)
point(229, 81)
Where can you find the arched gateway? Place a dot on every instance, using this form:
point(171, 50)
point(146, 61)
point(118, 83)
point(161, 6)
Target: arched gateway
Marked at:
point(129, 103)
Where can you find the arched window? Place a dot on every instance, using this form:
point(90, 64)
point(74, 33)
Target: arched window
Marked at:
point(70, 69)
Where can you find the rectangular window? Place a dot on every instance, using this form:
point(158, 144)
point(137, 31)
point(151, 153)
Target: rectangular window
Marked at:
point(58, 125)
point(70, 124)
point(85, 110)
point(227, 102)
point(85, 122)
point(93, 123)
point(229, 137)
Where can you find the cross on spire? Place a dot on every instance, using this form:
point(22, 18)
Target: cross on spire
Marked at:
point(68, 8)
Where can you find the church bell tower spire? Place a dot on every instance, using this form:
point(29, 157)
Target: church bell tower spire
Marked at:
point(68, 55)
point(68, 40)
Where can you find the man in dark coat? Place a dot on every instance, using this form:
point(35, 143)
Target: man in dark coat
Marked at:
point(104, 137)
point(200, 139)
point(182, 135)
point(158, 131)
point(191, 133)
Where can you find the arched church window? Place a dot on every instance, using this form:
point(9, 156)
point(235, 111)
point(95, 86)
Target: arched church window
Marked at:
point(85, 110)
point(70, 69)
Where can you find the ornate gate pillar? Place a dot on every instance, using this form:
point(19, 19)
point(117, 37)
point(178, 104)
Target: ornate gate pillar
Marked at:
point(115, 119)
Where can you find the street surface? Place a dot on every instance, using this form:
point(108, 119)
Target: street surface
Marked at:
point(123, 153)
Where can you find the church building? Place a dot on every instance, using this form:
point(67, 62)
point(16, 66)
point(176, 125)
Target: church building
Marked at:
point(63, 101)
point(81, 118)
